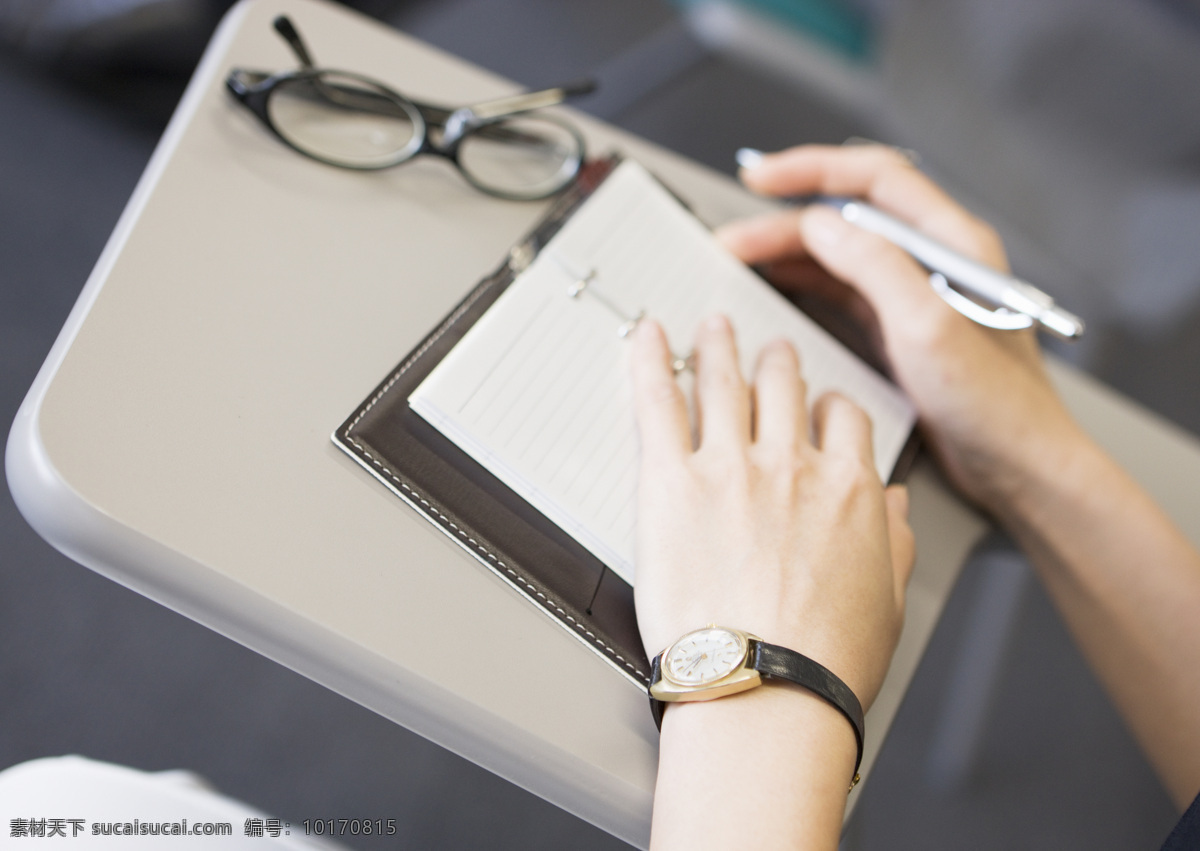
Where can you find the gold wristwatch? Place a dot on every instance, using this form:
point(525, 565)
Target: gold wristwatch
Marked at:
point(717, 661)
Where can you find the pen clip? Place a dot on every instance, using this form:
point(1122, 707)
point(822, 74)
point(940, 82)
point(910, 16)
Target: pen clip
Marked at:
point(1001, 317)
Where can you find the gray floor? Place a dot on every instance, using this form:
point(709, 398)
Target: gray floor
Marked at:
point(88, 667)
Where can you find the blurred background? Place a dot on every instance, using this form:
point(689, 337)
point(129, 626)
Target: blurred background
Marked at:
point(1074, 126)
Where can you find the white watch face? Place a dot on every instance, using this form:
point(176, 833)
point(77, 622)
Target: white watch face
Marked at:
point(704, 656)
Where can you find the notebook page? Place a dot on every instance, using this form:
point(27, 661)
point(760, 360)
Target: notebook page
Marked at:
point(538, 390)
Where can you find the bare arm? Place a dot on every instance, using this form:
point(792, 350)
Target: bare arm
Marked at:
point(1124, 578)
point(1128, 586)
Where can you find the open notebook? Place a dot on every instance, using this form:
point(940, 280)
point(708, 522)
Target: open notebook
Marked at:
point(537, 391)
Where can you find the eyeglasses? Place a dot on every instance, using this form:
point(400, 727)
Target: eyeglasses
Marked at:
point(348, 120)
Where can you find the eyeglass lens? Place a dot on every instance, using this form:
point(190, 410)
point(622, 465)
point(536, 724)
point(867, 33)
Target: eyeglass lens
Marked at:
point(344, 120)
point(525, 156)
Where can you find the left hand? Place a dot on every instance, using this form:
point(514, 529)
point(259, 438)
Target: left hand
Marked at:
point(988, 410)
point(759, 527)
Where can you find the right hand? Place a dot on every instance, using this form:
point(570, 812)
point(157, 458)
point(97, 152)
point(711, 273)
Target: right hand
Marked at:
point(987, 406)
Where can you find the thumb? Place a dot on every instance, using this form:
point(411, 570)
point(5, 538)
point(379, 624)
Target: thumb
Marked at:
point(892, 282)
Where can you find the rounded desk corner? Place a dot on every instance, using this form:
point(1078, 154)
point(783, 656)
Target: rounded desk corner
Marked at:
point(55, 510)
point(84, 532)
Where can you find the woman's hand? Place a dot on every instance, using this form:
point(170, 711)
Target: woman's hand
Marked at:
point(987, 406)
point(1124, 578)
point(758, 527)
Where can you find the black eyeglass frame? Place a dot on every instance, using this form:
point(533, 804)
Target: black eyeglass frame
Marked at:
point(253, 89)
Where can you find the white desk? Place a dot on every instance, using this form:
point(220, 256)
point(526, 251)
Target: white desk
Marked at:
point(177, 438)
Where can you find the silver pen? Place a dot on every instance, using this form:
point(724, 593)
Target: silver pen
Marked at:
point(1013, 303)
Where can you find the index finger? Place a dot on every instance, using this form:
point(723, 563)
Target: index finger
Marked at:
point(883, 176)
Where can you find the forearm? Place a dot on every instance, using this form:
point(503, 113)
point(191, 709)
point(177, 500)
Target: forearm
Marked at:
point(765, 769)
point(1127, 583)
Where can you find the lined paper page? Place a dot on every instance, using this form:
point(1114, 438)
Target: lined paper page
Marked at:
point(538, 391)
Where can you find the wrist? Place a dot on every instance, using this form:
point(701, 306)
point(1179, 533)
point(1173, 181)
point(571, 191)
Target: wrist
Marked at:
point(768, 768)
point(1013, 482)
point(716, 662)
point(1062, 469)
point(779, 716)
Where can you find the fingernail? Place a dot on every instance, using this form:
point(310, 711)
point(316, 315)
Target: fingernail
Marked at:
point(749, 158)
point(646, 329)
point(781, 345)
point(717, 322)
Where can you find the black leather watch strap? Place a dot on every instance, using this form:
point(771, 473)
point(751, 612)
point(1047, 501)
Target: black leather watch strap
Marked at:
point(781, 663)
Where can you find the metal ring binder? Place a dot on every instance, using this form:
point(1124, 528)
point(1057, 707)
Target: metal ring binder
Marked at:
point(582, 284)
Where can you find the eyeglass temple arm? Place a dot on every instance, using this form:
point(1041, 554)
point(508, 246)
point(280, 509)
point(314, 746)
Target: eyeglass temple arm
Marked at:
point(284, 26)
point(527, 101)
point(483, 111)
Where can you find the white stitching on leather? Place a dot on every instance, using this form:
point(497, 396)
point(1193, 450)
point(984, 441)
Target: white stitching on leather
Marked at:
point(403, 368)
point(383, 391)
